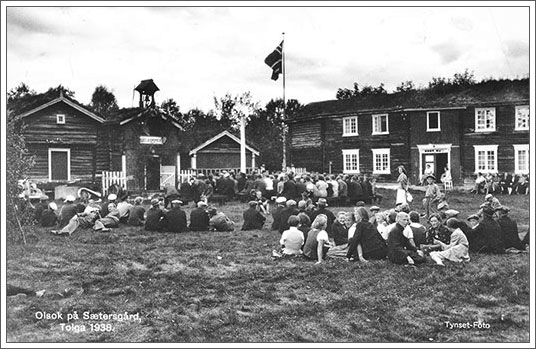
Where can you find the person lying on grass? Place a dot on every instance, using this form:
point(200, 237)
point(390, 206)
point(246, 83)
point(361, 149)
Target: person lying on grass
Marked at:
point(366, 243)
point(458, 248)
point(400, 250)
point(85, 219)
point(317, 243)
point(291, 240)
point(111, 220)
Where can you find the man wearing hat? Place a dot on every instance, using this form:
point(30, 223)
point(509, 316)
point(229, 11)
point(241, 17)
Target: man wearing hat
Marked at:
point(136, 216)
point(175, 219)
point(322, 204)
point(280, 203)
point(199, 217)
point(431, 196)
point(155, 217)
point(85, 219)
point(49, 217)
point(473, 220)
point(491, 201)
point(40, 207)
point(112, 198)
point(373, 210)
point(253, 219)
point(290, 210)
point(486, 236)
point(465, 228)
point(171, 194)
point(509, 233)
point(68, 210)
point(219, 221)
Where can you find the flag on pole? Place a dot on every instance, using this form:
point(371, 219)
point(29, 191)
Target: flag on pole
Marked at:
point(275, 61)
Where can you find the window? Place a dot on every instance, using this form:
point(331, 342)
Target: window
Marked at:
point(486, 158)
point(522, 118)
point(349, 126)
point(350, 159)
point(521, 158)
point(60, 119)
point(484, 119)
point(380, 124)
point(433, 121)
point(381, 161)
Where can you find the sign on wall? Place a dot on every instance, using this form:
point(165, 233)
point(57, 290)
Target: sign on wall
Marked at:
point(151, 140)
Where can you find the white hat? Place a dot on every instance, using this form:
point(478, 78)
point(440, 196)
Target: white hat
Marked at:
point(280, 200)
point(176, 202)
point(112, 197)
point(69, 198)
point(488, 196)
point(53, 206)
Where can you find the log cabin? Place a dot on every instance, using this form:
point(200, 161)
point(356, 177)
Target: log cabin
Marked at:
point(478, 128)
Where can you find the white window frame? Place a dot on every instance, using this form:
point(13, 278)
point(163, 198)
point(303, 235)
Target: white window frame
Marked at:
point(486, 148)
point(490, 129)
point(374, 130)
point(60, 119)
point(68, 151)
point(350, 152)
point(428, 129)
point(346, 131)
point(377, 152)
point(518, 108)
point(517, 149)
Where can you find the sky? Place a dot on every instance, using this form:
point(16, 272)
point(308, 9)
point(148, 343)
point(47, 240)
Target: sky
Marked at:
point(194, 54)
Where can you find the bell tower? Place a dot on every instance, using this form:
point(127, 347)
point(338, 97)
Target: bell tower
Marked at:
point(147, 89)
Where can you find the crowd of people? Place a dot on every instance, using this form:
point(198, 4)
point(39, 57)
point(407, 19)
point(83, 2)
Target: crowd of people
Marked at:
point(506, 184)
point(298, 206)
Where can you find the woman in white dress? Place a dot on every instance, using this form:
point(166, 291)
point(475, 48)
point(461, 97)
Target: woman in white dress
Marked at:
point(402, 186)
point(458, 248)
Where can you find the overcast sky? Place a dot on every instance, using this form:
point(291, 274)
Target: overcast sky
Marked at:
point(195, 53)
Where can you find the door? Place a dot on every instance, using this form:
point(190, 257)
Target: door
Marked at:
point(152, 174)
point(59, 164)
point(428, 163)
point(441, 163)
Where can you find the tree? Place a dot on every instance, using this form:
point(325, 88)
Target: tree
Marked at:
point(170, 108)
point(345, 93)
point(234, 108)
point(464, 79)
point(103, 101)
point(405, 86)
point(19, 92)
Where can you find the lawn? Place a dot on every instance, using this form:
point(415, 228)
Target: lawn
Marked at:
point(225, 287)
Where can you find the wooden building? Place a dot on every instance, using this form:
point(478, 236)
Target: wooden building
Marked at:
point(478, 128)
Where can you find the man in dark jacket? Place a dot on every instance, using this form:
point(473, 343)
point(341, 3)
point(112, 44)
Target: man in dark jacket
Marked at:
point(510, 235)
point(175, 219)
point(399, 248)
point(291, 210)
point(49, 218)
point(322, 204)
point(486, 236)
point(289, 188)
point(68, 211)
point(276, 212)
point(199, 217)
point(155, 217)
point(136, 216)
point(253, 219)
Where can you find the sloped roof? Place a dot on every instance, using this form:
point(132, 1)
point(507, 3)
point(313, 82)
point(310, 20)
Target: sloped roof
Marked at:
point(218, 136)
point(67, 101)
point(126, 115)
point(493, 91)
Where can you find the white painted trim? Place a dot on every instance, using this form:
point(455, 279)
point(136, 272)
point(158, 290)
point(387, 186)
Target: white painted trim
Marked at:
point(374, 116)
point(494, 148)
point(60, 119)
point(124, 164)
point(435, 149)
point(517, 148)
point(381, 151)
point(66, 150)
point(193, 161)
point(518, 107)
point(218, 136)
point(346, 152)
point(494, 120)
point(350, 134)
point(428, 129)
point(66, 101)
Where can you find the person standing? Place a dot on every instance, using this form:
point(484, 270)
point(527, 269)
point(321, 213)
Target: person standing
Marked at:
point(432, 195)
point(402, 189)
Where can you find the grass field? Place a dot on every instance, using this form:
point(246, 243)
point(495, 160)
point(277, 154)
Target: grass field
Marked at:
point(225, 287)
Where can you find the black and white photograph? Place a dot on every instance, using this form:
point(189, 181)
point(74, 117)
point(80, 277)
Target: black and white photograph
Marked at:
point(267, 174)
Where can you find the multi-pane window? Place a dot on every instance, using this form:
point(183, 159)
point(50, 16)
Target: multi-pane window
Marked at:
point(60, 119)
point(350, 159)
point(486, 158)
point(522, 118)
point(380, 124)
point(521, 158)
point(484, 119)
point(432, 121)
point(349, 126)
point(381, 161)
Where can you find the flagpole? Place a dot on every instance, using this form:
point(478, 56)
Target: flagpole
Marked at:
point(284, 164)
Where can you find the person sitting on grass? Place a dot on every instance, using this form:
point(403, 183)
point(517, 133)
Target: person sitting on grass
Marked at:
point(400, 250)
point(491, 201)
point(264, 205)
point(136, 216)
point(305, 224)
point(381, 224)
point(290, 210)
point(253, 219)
point(322, 209)
point(219, 221)
point(276, 212)
point(124, 206)
point(486, 236)
point(473, 220)
point(49, 217)
point(111, 220)
point(373, 211)
point(175, 219)
point(155, 217)
point(199, 217)
point(366, 243)
point(458, 248)
point(85, 219)
point(317, 243)
point(291, 240)
point(339, 230)
point(509, 234)
point(419, 230)
point(436, 231)
point(68, 210)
